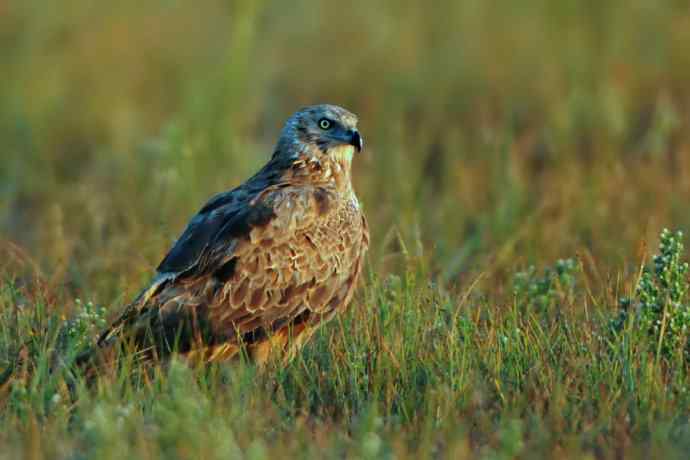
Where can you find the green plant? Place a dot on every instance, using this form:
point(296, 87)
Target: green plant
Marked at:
point(80, 331)
point(660, 306)
point(538, 292)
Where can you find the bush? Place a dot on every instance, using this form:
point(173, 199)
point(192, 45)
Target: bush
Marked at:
point(538, 292)
point(660, 306)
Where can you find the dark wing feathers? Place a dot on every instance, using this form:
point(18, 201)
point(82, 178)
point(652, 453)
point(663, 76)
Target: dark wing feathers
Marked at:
point(210, 230)
point(225, 216)
point(187, 250)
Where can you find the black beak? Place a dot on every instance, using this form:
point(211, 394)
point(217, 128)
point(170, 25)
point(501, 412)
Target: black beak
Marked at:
point(356, 140)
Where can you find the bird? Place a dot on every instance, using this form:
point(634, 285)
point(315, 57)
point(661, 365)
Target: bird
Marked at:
point(262, 266)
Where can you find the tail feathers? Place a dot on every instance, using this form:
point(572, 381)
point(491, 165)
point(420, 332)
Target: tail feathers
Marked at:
point(23, 367)
point(87, 365)
point(93, 362)
point(137, 332)
point(115, 337)
point(136, 315)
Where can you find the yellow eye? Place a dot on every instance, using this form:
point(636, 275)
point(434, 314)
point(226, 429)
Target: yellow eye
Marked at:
point(325, 123)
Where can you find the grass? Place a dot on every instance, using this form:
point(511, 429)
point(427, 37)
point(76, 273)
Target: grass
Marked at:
point(500, 136)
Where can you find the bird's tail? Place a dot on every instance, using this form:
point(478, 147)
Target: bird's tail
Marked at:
point(23, 367)
point(85, 365)
point(127, 336)
point(130, 334)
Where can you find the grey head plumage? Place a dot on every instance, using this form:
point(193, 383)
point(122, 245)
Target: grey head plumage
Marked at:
point(317, 130)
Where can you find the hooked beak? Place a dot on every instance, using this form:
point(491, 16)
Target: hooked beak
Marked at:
point(356, 140)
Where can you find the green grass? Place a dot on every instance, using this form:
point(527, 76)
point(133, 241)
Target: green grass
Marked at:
point(412, 370)
point(500, 136)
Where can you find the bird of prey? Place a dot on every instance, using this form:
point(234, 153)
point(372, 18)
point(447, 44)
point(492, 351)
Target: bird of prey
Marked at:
point(265, 264)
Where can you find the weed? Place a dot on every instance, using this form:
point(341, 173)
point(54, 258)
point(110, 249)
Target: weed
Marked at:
point(661, 307)
point(539, 292)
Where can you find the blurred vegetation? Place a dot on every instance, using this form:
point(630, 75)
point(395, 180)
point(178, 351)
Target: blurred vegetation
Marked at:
point(500, 135)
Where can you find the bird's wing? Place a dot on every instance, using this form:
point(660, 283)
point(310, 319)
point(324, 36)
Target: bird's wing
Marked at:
point(237, 267)
point(225, 216)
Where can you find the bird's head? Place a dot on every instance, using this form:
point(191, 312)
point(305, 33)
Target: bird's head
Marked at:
point(323, 131)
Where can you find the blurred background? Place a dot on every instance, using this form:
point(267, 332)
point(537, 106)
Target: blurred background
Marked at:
point(498, 134)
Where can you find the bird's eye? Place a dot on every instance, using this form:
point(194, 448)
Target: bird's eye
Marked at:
point(325, 123)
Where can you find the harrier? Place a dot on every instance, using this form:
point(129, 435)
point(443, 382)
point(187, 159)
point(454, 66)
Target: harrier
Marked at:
point(265, 264)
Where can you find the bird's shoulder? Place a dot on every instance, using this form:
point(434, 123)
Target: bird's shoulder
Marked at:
point(279, 199)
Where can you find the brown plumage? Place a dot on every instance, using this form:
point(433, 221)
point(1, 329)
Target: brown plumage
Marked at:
point(265, 264)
